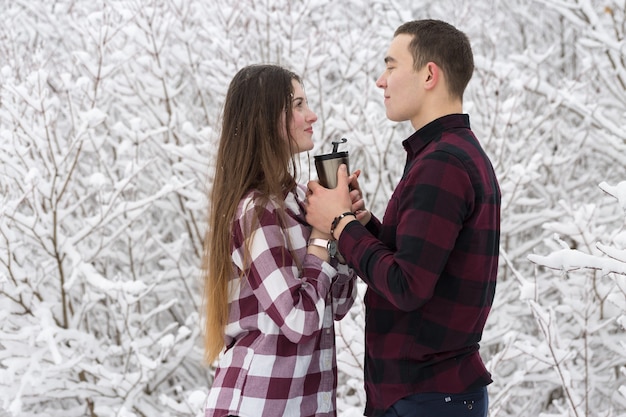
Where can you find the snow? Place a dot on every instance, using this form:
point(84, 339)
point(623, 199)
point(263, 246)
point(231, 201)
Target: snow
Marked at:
point(109, 117)
point(570, 260)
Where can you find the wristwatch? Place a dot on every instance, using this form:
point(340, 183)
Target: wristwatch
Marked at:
point(331, 247)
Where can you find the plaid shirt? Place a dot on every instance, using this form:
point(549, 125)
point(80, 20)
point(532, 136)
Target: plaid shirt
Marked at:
point(430, 267)
point(280, 358)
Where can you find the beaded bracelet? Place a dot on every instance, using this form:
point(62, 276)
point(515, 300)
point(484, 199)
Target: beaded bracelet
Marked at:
point(336, 221)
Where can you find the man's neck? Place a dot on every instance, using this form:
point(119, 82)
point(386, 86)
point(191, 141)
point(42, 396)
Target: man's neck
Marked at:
point(435, 111)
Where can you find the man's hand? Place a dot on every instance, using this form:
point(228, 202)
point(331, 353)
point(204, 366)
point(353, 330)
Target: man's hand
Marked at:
point(324, 204)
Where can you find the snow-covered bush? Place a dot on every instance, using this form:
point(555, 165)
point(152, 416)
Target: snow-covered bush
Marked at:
point(581, 312)
point(109, 115)
point(555, 107)
point(101, 213)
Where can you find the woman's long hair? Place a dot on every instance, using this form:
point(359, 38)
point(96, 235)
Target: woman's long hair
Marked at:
point(253, 154)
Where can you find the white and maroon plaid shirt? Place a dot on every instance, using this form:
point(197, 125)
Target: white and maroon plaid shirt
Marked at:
point(280, 357)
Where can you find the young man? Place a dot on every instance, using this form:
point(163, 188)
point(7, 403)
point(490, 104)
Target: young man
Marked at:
point(431, 264)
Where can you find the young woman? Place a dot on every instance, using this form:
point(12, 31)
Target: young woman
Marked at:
point(271, 289)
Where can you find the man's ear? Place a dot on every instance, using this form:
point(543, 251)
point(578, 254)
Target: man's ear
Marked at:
point(432, 75)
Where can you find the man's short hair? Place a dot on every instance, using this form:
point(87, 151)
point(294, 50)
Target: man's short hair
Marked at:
point(440, 42)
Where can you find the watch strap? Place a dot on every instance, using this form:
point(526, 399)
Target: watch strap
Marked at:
point(319, 242)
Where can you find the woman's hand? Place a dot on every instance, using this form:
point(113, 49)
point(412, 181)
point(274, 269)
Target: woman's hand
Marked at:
point(358, 204)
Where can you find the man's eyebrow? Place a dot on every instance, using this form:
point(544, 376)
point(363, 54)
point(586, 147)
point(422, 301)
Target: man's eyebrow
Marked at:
point(389, 59)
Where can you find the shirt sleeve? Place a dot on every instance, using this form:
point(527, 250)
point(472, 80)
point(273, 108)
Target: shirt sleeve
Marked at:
point(343, 291)
point(374, 225)
point(431, 207)
point(292, 295)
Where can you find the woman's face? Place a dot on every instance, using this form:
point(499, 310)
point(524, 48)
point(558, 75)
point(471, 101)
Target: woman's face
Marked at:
point(301, 124)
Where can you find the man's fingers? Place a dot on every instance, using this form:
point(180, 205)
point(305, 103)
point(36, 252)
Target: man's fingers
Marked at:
point(313, 185)
point(342, 175)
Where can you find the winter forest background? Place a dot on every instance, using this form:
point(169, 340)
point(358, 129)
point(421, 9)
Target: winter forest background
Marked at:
point(109, 116)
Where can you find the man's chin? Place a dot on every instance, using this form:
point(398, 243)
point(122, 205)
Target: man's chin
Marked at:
point(394, 118)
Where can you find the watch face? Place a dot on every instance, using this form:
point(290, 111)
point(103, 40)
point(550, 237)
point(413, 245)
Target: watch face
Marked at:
point(332, 248)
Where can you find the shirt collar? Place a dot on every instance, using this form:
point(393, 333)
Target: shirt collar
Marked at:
point(433, 130)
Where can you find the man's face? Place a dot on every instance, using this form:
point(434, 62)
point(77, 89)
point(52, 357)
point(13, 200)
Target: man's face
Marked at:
point(400, 82)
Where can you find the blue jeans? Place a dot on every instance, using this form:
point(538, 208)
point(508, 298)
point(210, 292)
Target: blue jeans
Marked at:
point(435, 404)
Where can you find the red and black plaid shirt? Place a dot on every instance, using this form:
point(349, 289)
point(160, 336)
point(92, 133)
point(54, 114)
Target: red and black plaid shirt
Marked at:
point(430, 267)
point(280, 358)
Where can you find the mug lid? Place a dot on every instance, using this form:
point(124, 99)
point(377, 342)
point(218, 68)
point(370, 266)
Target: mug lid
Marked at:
point(335, 153)
point(326, 156)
